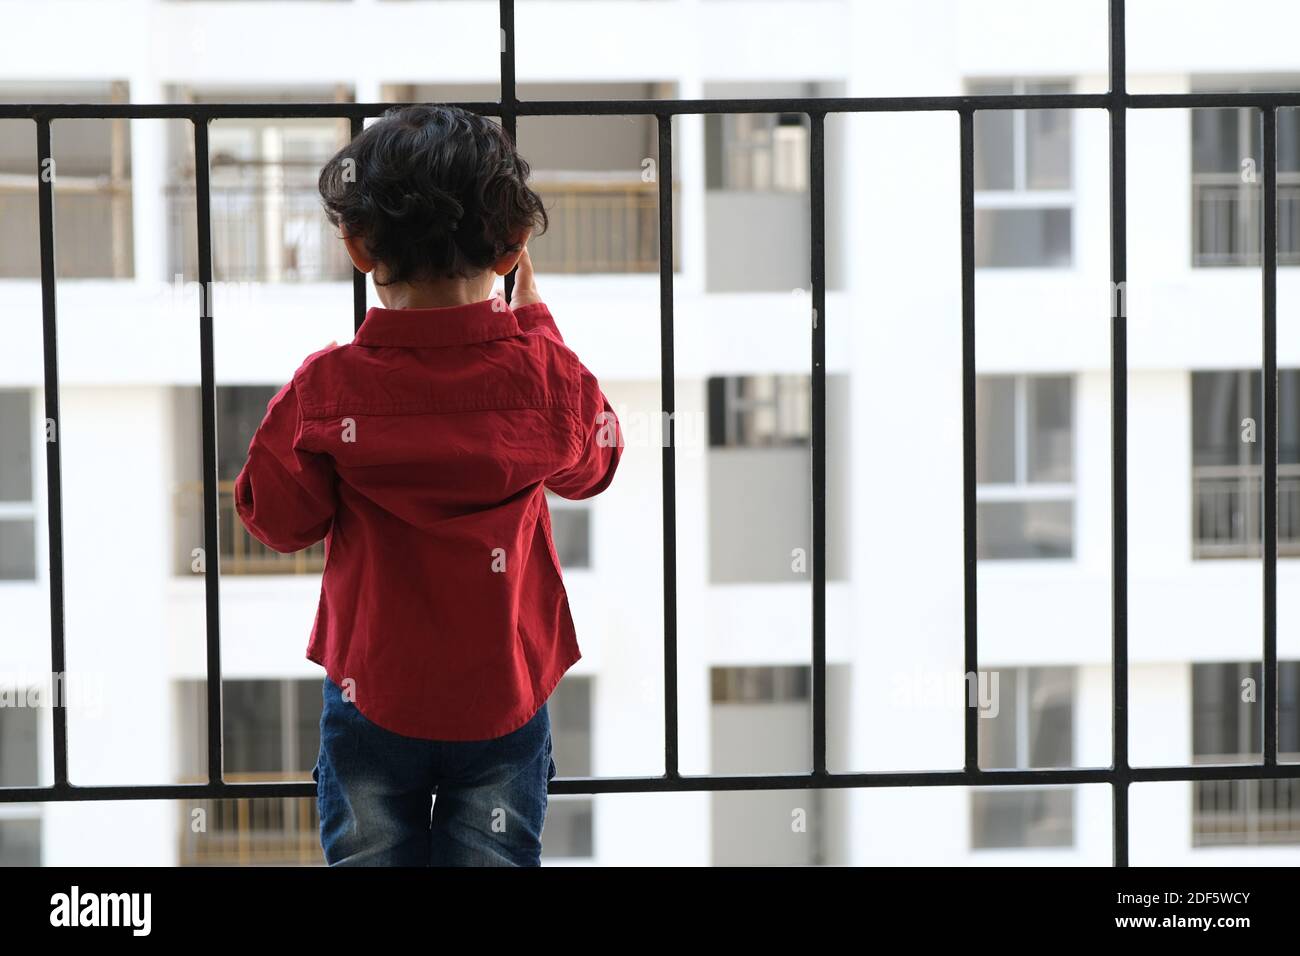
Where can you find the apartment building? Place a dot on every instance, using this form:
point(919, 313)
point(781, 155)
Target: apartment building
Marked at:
point(129, 429)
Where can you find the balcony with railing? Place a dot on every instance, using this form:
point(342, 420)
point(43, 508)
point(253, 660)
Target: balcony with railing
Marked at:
point(1228, 220)
point(241, 553)
point(1245, 812)
point(1227, 511)
point(267, 225)
point(267, 831)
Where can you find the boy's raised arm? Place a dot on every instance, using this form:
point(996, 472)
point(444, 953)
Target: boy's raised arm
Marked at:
point(285, 496)
point(601, 444)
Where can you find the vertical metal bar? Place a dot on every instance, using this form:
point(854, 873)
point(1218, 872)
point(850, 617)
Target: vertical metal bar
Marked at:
point(208, 395)
point(1119, 430)
point(970, 514)
point(817, 273)
point(358, 277)
point(508, 95)
point(53, 434)
point(1270, 429)
point(667, 386)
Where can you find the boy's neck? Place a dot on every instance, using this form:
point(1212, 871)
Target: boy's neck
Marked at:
point(437, 294)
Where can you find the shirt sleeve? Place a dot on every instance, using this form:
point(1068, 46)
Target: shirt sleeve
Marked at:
point(599, 439)
point(600, 442)
point(285, 495)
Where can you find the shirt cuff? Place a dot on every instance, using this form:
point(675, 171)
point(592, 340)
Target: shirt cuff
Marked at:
point(536, 315)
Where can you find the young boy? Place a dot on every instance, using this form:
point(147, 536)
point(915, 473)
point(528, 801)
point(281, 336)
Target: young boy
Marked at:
point(420, 452)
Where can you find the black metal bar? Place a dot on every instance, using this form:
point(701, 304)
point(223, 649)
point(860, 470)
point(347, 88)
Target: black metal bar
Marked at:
point(46, 173)
point(676, 107)
point(817, 275)
point(356, 125)
point(1119, 431)
point(692, 783)
point(970, 514)
point(506, 109)
point(208, 397)
point(668, 392)
point(1270, 429)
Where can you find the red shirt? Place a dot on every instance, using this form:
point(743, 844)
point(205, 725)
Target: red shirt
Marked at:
point(419, 452)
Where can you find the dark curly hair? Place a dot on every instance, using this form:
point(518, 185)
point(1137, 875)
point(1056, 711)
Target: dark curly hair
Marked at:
point(432, 191)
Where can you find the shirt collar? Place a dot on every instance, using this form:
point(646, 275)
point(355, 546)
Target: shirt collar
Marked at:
point(449, 325)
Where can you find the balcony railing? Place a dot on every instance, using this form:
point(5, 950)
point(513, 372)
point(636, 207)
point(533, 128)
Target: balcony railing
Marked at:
point(1228, 223)
point(1245, 812)
point(273, 229)
point(598, 224)
point(264, 831)
point(92, 215)
point(241, 553)
point(1227, 511)
point(1121, 773)
point(260, 233)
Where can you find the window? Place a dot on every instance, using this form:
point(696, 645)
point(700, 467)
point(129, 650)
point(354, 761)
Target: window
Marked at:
point(20, 824)
point(1024, 465)
point(266, 221)
point(570, 819)
point(271, 731)
point(1228, 182)
point(1023, 180)
point(240, 410)
point(1228, 727)
point(92, 199)
point(1033, 728)
point(756, 172)
point(759, 485)
point(759, 411)
point(571, 531)
point(756, 152)
point(17, 509)
point(762, 722)
point(1227, 475)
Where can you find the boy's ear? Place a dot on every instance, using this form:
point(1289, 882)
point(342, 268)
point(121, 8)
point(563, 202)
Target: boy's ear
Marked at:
point(358, 254)
point(508, 261)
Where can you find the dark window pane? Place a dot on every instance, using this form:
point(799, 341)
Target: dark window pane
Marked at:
point(15, 446)
point(18, 746)
point(253, 723)
point(1025, 529)
point(569, 830)
point(240, 409)
point(1022, 818)
point(1220, 403)
point(569, 709)
point(1051, 714)
point(20, 842)
point(995, 141)
point(1223, 724)
point(17, 549)
point(1051, 453)
point(1047, 149)
point(571, 531)
point(1008, 238)
point(995, 429)
point(1215, 141)
point(997, 734)
point(307, 710)
point(995, 166)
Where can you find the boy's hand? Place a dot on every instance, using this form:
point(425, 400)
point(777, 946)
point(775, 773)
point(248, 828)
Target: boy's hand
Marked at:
point(525, 290)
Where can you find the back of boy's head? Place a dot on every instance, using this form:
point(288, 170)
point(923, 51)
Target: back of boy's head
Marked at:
point(433, 192)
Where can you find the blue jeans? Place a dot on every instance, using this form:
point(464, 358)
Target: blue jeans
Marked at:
point(374, 789)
